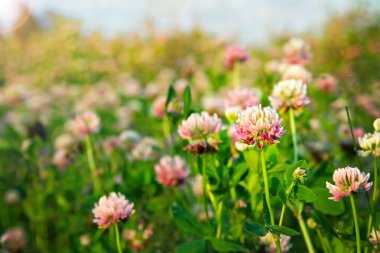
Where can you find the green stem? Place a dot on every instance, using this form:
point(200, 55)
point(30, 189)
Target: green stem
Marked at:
point(117, 238)
point(219, 218)
point(204, 184)
point(305, 234)
point(288, 191)
point(91, 163)
point(357, 232)
point(236, 75)
point(267, 198)
point(374, 196)
point(294, 134)
point(323, 241)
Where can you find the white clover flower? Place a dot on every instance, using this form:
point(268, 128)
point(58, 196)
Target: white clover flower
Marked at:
point(289, 94)
point(370, 144)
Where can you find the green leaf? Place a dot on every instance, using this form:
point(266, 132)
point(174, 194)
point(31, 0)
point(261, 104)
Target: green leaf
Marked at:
point(186, 100)
point(185, 221)
point(274, 185)
point(197, 246)
point(282, 230)
point(266, 214)
point(255, 228)
point(170, 96)
point(238, 172)
point(304, 194)
point(288, 175)
point(325, 205)
point(226, 246)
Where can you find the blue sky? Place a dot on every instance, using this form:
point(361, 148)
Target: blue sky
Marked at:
point(250, 20)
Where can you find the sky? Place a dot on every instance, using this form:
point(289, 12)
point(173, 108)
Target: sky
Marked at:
point(249, 20)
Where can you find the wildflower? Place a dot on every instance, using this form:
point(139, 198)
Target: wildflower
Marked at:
point(231, 113)
point(146, 150)
point(296, 72)
point(297, 52)
point(85, 240)
point(214, 104)
point(268, 242)
point(129, 139)
point(62, 159)
point(112, 209)
point(171, 171)
point(233, 55)
point(348, 180)
point(14, 239)
point(139, 237)
point(376, 125)
point(370, 144)
point(257, 126)
point(86, 123)
point(112, 143)
point(299, 175)
point(242, 98)
point(12, 197)
point(375, 237)
point(64, 142)
point(289, 94)
point(197, 185)
point(199, 129)
point(326, 83)
point(158, 107)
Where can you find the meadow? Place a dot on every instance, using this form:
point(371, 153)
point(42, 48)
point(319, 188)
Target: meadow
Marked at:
point(183, 142)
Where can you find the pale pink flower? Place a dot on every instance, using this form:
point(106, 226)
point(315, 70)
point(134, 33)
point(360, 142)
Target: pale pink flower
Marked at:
point(235, 54)
point(199, 129)
point(375, 237)
point(289, 94)
point(62, 159)
point(65, 142)
point(326, 83)
point(348, 180)
point(270, 246)
point(14, 239)
point(85, 240)
point(12, 197)
point(86, 123)
point(214, 104)
point(112, 209)
point(197, 185)
point(147, 149)
point(242, 97)
point(370, 144)
point(296, 72)
point(257, 126)
point(158, 107)
point(297, 52)
point(139, 237)
point(299, 174)
point(171, 171)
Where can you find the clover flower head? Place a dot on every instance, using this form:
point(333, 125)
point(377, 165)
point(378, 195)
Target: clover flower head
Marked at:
point(138, 238)
point(14, 239)
point(326, 83)
point(257, 126)
point(297, 72)
point(289, 94)
point(376, 125)
point(171, 171)
point(242, 97)
point(199, 129)
point(299, 175)
point(297, 52)
point(375, 237)
point(147, 149)
point(86, 123)
point(370, 144)
point(112, 209)
point(235, 54)
point(347, 180)
point(270, 246)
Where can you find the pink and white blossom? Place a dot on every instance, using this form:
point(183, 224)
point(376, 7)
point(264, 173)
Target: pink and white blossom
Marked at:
point(112, 209)
point(289, 94)
point(297, 52)
point(86, 123)
point(171, 171)
point(257, 126)
point(346, 181)
point(235, 55)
